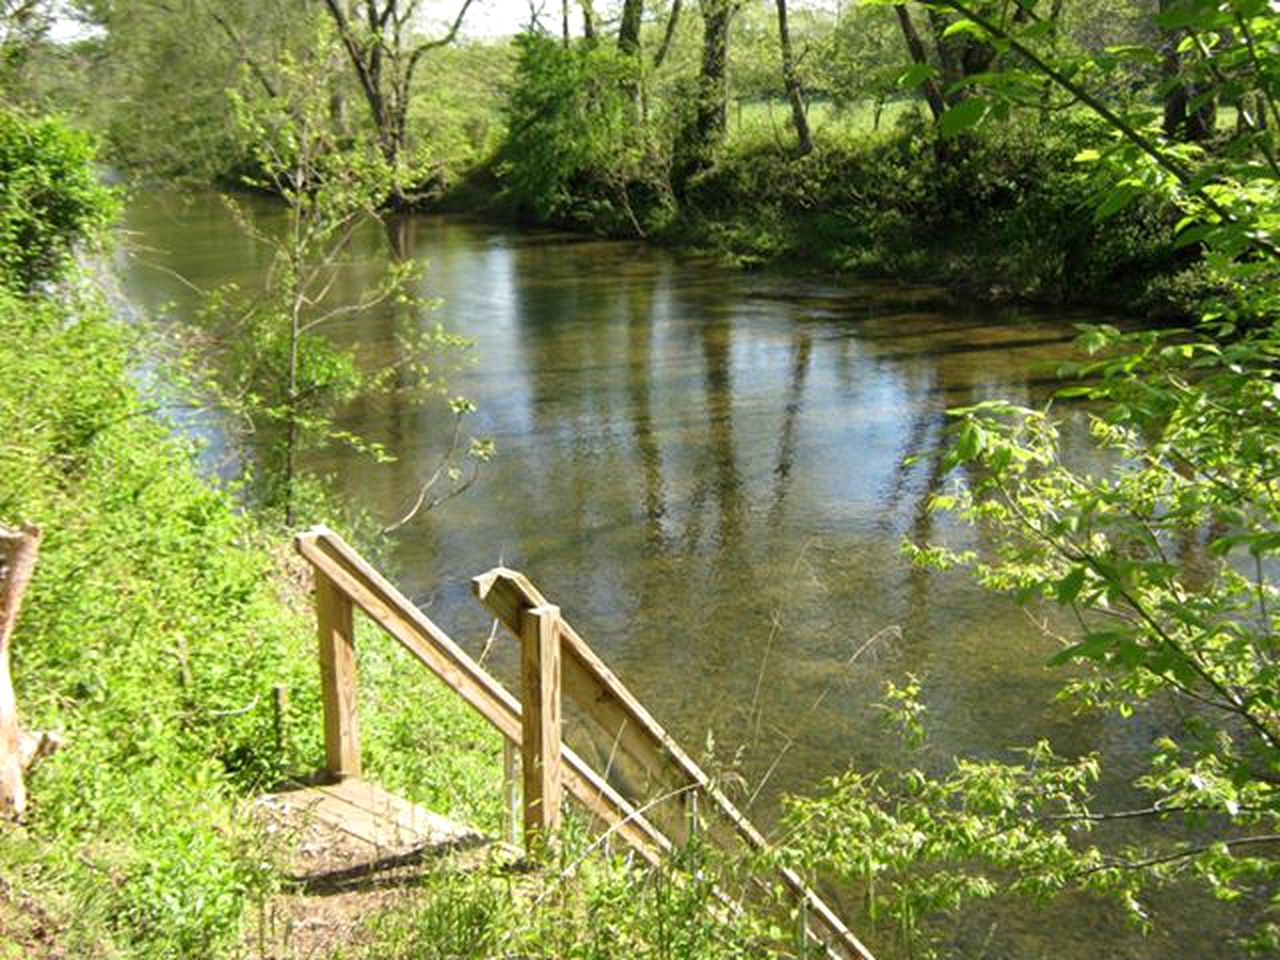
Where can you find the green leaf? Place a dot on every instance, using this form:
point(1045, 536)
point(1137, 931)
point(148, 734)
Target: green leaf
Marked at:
point(916, 74)
point(1069, 586)
point(1095, 646)
point(967, 27)
point(962, 116)
point(1118, 199)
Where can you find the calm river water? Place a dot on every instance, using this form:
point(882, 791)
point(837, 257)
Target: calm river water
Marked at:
point(707, 470)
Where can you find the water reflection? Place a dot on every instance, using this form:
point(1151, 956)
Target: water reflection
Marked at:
point(710, 472)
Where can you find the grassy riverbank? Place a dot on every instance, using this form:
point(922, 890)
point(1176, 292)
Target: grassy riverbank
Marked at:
point(1004, 214)
point(164, 616)
point(160, 621)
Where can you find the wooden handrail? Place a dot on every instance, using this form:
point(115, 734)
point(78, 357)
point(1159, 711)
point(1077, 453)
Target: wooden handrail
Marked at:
point(555, 658)
point(509, 596)
point(352, 577)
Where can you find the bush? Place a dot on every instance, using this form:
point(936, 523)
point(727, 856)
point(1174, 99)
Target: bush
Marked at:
point(49, 198)
point(576, 150)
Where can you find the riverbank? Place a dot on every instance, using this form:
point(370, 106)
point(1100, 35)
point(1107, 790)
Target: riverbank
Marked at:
point(161, 622)
point(1004, 215)
point(167, 636)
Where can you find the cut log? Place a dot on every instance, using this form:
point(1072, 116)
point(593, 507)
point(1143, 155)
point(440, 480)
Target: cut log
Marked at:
point(18, 551)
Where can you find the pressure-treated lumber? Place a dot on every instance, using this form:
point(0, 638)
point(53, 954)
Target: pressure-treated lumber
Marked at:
point(594, 687)
point(508, 595)
point(363, 810)
point(391, 610)
point(18, 552)
point(586, 679)
point(540, 722)
point(334, 624)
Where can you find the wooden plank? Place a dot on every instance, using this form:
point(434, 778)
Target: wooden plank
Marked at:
point(431, 646)
point(354, 820)
point(18, 552)
point(540, 705)
point(507, 594)
point(363, 585)
point(337, 679)
point(392, 809)
point(597, 691)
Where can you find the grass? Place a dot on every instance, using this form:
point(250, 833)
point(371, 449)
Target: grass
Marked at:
point(584, 905)
point(763, 122)
point(160, 619)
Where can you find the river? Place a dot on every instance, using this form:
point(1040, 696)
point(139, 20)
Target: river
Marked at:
point(711, 472)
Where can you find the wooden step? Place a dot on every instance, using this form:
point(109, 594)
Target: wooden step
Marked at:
point(365, 811)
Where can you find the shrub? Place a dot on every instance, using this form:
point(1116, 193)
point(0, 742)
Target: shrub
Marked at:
point(50, 197)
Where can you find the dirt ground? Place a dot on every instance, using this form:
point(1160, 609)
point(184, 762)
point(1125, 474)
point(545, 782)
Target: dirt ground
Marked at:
point(335, 883)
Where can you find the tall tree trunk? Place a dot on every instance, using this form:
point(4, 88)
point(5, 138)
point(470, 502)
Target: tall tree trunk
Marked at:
point(798, 118)
point(673, 18)
point(1184, 120)
point(629, 28)
point(713, 83)
point(564, 22)
point(929, 87)
point(18, 552)
point(704, 127)
point(588, 22)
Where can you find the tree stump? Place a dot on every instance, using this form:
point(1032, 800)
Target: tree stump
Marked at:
point(18, 551)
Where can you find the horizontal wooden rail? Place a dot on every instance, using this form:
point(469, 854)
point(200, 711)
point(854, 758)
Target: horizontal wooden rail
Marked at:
point(509, 596)
point(359, 583)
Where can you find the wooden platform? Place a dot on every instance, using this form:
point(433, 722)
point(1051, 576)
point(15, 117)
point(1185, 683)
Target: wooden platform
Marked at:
point(347, 852)
point(367, 813)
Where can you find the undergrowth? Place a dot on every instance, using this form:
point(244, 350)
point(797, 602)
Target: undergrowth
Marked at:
point(588, 904)
point(162, 617)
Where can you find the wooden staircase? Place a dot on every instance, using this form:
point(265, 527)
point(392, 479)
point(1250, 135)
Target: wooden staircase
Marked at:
point(668, 799)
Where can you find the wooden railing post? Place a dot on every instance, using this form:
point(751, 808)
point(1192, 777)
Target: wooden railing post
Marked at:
point(510, 792)
point(540, 721)
point(337, 679)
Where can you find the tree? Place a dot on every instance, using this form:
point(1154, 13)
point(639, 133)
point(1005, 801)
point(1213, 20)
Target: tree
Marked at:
point(862, 58)
point(573, 141)
point(24, 24)
point(920, 60)
point(384, 52)
point(629, 27)
point(668, 34)
point(50, 199)
point(705, 124)
point(159, 80)
point(282, 372)
point(1190, 108)
point(1190, 429)
point(792, 82)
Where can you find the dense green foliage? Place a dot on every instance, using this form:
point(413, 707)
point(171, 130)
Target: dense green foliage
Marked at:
point(1166, 560)
point(573, 152)
point(50, 199)
point(1002, 214)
